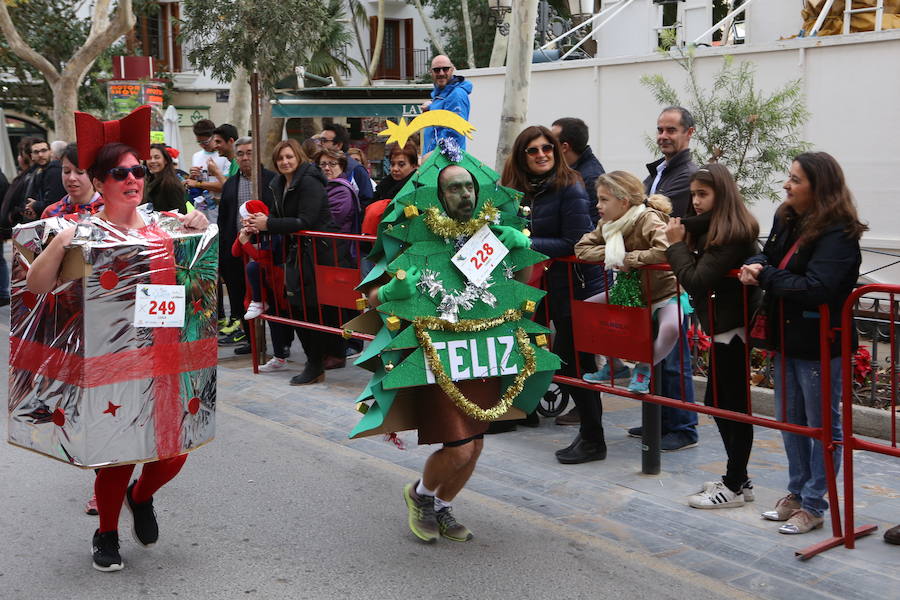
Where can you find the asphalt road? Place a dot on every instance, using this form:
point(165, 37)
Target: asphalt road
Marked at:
point(272, 511)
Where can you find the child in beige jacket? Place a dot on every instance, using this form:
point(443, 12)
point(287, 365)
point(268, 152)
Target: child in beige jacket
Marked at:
point(630, 235)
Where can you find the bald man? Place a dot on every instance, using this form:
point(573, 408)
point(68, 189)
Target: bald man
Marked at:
point(451, 92)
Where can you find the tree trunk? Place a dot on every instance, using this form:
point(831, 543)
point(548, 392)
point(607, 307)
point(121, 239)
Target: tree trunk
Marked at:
point(65, 84)
point(239, 104)
point(379, 39)
point(65, 103)
point(359, 42)
point(518, 77)
point(467, 27)
point(501, 43)
point(435, 41)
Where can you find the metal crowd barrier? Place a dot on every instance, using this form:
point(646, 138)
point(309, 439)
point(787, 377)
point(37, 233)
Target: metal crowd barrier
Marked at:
point(624, 332)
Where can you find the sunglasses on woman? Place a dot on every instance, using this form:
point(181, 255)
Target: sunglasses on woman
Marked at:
point(121, 173)
point(545, 149)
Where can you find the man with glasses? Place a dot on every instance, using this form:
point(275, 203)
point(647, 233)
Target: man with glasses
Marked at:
point(451, 92)
point(201, 177)
point(238, 190)
point(46, 183)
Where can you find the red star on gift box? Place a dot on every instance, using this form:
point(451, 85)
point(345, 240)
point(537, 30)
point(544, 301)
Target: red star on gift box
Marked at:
point(112, 408)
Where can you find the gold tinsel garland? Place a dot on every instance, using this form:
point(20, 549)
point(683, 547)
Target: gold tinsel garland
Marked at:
point(422, 324)
point(447, 228)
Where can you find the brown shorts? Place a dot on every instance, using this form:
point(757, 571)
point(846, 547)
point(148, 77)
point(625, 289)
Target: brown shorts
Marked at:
point(440, 421)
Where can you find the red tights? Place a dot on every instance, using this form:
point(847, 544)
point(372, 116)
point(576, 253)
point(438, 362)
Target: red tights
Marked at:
point(112, 482)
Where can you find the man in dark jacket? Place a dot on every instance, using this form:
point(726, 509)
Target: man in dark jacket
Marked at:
point(573, 135)
point(335, 137)
point(671, 176)
point(237, 190)
point(46, 184)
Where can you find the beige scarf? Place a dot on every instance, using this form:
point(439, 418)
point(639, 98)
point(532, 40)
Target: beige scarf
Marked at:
point(613, 235)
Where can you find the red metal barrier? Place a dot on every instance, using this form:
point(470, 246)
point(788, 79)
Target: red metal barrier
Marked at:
point(851, 441)
point(630, 331)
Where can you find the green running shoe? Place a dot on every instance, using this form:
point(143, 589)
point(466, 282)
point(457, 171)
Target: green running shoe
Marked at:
point(450, 528)
point(422, 521)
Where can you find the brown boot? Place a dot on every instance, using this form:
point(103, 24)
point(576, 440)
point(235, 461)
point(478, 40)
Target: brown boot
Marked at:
point(573, 417)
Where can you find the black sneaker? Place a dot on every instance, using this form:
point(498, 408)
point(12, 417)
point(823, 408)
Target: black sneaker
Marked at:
point(421, 518)
point(450, 528)
point(105, 547)
point(243, 349)
point(636, 432)
point(145, 529)
point(236, 337)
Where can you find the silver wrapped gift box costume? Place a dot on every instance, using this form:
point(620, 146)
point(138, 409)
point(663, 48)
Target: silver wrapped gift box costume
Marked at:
point(87, 386)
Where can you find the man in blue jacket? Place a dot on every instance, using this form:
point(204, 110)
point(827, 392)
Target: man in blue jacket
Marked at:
point(451, 92)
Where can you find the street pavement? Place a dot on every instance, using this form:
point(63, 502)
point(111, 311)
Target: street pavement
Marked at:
point(282, 505)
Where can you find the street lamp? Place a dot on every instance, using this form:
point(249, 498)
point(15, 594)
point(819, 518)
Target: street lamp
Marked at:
point(498, 9)
point(580, 9)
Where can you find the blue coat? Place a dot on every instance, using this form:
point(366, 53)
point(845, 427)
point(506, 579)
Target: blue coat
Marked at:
point(559, 218)
point(589, 167)
point(823, 271)
point(453, 97)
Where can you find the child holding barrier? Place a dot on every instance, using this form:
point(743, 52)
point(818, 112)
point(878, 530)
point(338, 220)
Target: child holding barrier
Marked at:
point(631, 235)
point(704, 249)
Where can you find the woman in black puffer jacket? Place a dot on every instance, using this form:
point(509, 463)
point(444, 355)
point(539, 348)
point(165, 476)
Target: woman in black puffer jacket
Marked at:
point(300, 202)
point(558, 215)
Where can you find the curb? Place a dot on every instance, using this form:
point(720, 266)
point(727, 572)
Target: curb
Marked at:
point(867, 421)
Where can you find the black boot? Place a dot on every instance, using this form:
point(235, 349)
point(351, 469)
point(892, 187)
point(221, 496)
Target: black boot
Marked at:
point(582, 452)
point(312, 373)
point(570, 446)
point(532, 420)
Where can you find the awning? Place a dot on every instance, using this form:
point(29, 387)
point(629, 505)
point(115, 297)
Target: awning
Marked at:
point(381, 101)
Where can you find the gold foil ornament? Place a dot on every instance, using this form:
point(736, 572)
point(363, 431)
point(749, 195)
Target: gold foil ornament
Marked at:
point(362, 303)
point(393, 323)
point(411, 211)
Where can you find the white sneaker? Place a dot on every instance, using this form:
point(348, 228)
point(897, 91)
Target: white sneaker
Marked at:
point(274, 364)
point(746, 489)
point(254, 310)
point(719, 496)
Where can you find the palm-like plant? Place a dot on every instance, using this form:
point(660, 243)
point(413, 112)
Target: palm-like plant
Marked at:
point(324, 60)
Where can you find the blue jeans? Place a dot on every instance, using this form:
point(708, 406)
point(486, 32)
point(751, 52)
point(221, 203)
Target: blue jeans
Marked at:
point(806, 456)
point(673, 373)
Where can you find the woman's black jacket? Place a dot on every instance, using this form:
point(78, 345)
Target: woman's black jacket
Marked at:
point(703, 273)
point(822, 271)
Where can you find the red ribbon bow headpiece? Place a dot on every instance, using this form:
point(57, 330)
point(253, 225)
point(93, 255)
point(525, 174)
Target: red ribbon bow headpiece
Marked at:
point(92, 134)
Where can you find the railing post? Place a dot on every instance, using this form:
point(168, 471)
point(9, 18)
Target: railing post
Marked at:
point(651, 428)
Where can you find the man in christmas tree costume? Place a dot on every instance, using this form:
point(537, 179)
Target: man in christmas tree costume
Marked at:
point(455, 347)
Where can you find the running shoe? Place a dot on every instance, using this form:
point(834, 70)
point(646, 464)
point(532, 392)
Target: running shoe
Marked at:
point(105, 548)
point(421, 518)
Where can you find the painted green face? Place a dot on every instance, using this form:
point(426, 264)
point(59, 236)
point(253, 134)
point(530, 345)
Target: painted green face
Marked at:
point(458, 193)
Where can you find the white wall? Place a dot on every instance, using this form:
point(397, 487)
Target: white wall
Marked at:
point(852, 92)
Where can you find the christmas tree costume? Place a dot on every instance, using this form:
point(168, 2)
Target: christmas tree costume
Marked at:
point(457, 353)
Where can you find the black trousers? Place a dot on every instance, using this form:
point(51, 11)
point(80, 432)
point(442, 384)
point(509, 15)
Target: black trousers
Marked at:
point(232, 273)
point(731, 393)
point(590, 406)
point(316, 344)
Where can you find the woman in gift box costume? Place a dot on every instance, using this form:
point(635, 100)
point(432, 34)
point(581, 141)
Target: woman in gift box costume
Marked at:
point(111, 152)
point(455, 348)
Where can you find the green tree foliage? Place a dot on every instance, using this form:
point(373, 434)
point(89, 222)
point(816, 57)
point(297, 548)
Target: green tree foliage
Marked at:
point(270, 37)
point(754, 134)
point(452, 34)
point(52, 28)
